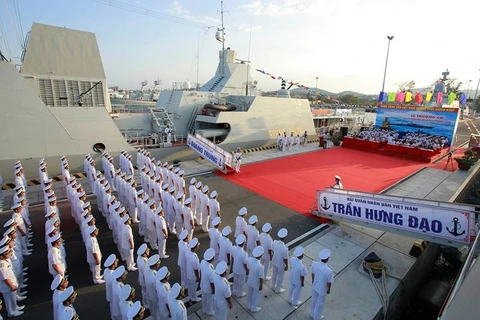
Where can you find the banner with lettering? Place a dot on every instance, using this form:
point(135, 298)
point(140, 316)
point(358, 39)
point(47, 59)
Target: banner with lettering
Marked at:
point(210, 154)
point(227, 155)
point(434, 121)
point(447, 221)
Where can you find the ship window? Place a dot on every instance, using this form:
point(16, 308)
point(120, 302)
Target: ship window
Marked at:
point(99, 147)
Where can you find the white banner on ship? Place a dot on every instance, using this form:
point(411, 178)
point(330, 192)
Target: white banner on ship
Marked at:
point(228, 157)
point(437, 219)
point(213, 156)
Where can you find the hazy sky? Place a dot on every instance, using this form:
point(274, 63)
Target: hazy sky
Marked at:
point(343, 42)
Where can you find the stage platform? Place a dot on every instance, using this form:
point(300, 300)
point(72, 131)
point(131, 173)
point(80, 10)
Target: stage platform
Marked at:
point(415, 154)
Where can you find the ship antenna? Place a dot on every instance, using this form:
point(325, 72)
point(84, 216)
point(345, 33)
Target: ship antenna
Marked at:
point(223, 38)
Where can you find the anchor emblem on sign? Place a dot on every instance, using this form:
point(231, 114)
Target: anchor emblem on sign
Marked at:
point(456, 227)
point(325, 205)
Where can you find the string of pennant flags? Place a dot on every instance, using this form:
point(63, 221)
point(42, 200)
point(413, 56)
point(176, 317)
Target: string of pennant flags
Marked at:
point(296, 83)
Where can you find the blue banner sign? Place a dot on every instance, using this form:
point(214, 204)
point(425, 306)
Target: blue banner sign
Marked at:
point(213, 156)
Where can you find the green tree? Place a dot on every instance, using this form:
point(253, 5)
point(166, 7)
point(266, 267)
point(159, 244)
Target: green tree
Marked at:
point(349, 99)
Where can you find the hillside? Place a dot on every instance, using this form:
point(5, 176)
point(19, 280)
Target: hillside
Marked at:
point(303, 92)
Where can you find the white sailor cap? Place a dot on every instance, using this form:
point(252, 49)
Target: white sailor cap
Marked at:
point(19, 200)
point(165, 186)
point(56, 282)
point(183, 234)
point(140, 192)
point(213, 194)
point(267, 227)
point(41, 160)
point(193, 243)
point(253, 219)
point(226, 231)
point(282, 233)
point(165, 164)
point(49, 213)
point(118, 171)
point(107, 188)
point(52, 199)
point(205, 189)
point(242, 211)
point(129, 177)
point(125, 292)
point(209, 254)
point(50, 222)
point(123, 174)
point(170, 167)
point(71, 179)
point(134, 310)
point(324, 254)
point(47, 188)
point(157, 178)
point(199, 184)
point(162, 273)
point(175, 291)
point(188, 201)
point(298, 251)
point(85, 205)
point(180, 195)
point(4, 240)
point(91, 229)
point(54, 238)
point(177, 170)
point(159, 163)
point(338, 177)
point(240, 239)
point(43, 166)
point(110, 260)
point(17, 170)
point(98, 173)
point(216, 221)
point(48, 181)
point(119, 272)
point(193, 181)
point(125, 218)
point(153, 260)
point(258, 251)
point(66, 294)
point(171, 189)
point(181, 172)
point(9, 223)
point(141, 250)
point(151, 202)
point(122, 209)
point(4, 250)
point(50, 194)
point(221, 268)
point(19, 189)
point(16, 206)
point(81, 194)
point(50, 229)
point(116, 205)
point(12, 230)
point(146, 198)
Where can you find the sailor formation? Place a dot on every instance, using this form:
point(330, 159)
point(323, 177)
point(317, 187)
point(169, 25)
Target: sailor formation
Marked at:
point(161, 208)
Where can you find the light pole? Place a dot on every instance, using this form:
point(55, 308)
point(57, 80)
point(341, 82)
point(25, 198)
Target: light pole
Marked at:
point(476, 90)
point(468, 88)
point(390, 38)
point(316, 89)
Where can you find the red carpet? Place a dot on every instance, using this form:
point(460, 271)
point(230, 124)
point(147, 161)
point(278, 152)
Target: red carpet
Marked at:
point(442, 165)
point(293, 181)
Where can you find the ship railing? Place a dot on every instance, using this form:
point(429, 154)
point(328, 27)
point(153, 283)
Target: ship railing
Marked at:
point(124, 109)
point(467, 266)
point(146, 141)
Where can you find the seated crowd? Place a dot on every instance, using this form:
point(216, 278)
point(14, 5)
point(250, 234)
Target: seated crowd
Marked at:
point(410, 139)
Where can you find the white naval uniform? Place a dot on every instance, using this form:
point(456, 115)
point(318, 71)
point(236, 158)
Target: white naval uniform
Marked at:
point(280, 252)
point(124, 307)
point(222, 293)
point(160, 226)
point(150, 281)
point(62, 309)
point(192, 264)
point(163, 293)
point(107, 276)
point(182, 262)
point(215, 236)
point(207, 277)
point(205, 213)
point(187, 221)
point(128, 250)
point(213, 209)
point(92, 246)
point(297, 270)
point(192, 191)
point(266, 242)
point(323, 275)
point(240, 226)
point(253, 236)
point(238, 161)
point(9, 296)
point(177, 309)
point(177, 207)
point(142, 265)
point(225, 246)
point(338, 185)
point(132, 204)
point(196, 204)
point(55, 257)
point(255, 273)
point(239, 257)
point(115, 310)
point(284, 143)
point(56, 303)
point(171, 213)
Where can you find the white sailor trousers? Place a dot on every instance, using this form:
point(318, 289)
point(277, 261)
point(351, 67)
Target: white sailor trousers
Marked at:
point(317, 305)
point(205, 219)
point(198, 214)
point(171, 222)
point(238, 283)
point(95, 269)
point(152, 237)
point(207, 302)
point(178, 225)
point(130, 261)
point(253, 298)
point(192, 289)
point(294, 293)
point(221, 311)
point(132, 210)
point(266, 265)
point(278, 274)
point(10, 299)
point(161, 243)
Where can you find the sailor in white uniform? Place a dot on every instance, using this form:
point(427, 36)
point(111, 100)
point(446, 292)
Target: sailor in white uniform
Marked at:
point(127, 293)
point(59, 284)
point(153, 264)
point(207, 273)
point(181, 261)
point(143, 252)
point(66, 298)
point(291, 141)
point(162, 232)
point(297, 142)
point(213, 206)
point(225, 247)
point(322, 280)
point(214, 235)
point(255, 279)
point(338, 184)
point(163, 292)
point(253, 236)
point(110, 265)
point(56, 261)
point(178, 207)
point(168, 132)
point(177, 308)
point(237, 157)
point(240, 267)
point(193, 269)
point(128, 243)
point(204, 208)
point(188, 223)
point(192, 191)
point(170, 211)
point(223, 295)
point(94, 254)
point(196, 204)
point(118, 276)
point(136, 311)
point(266, 242)
point(298, 273)
point(240, 223)
point(9, 284)
point(284, 142)
point(279, 261)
